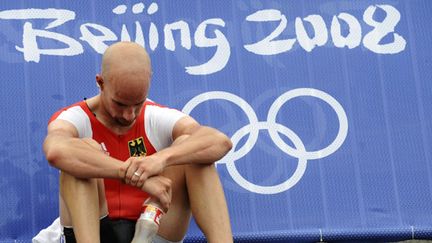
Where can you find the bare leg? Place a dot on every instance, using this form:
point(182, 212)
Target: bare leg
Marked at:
point(208, 202)
point(82, 203)
point(196, 187)
point(175, 222)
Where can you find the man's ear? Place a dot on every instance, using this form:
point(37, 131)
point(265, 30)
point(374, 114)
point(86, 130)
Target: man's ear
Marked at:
point(99, 81)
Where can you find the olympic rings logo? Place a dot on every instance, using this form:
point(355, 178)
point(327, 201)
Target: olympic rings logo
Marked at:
point(298, 151)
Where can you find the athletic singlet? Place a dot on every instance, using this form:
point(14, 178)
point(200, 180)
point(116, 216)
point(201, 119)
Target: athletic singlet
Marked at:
point(151, 132)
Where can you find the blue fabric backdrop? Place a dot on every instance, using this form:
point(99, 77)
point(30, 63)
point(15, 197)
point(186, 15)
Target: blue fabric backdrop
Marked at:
point(327, 103)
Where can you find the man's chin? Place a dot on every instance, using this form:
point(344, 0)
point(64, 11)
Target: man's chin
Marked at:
point(125, 123)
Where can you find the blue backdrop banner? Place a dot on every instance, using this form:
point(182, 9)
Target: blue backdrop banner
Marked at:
point(328, 105)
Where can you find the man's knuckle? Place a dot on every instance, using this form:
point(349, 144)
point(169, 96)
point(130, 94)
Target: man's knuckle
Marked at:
point(169, 182)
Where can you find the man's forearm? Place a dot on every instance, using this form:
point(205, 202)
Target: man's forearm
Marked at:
point(81, 159)
point(205, 145)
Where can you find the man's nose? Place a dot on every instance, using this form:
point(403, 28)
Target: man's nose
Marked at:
point(129, 114)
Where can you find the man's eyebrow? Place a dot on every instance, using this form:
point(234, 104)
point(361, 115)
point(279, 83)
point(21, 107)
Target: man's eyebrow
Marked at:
point(139, 103)
point(118, 102)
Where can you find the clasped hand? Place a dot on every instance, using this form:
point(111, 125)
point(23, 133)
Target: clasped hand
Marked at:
point(144, 173)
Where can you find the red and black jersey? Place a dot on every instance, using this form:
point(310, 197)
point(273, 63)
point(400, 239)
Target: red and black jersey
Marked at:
point(151, 132)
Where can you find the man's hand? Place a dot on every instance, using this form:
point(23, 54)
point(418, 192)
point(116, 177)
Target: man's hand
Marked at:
point(141, 168)
point(143, 172)
point(160, 188)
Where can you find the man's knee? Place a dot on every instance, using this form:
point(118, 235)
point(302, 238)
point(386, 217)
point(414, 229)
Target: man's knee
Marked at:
point(199, 170)
point(69, 181)
point(177, 176)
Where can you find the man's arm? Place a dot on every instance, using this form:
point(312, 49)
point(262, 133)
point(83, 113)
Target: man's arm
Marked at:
point(81, 159)
point(193, 144)
point(77, 157)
